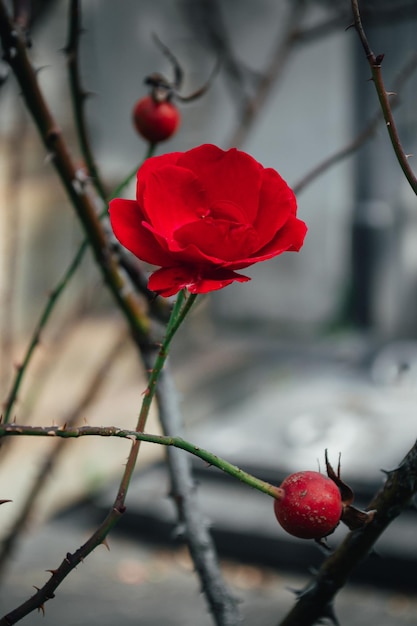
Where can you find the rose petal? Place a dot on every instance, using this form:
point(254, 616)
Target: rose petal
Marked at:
point(205, 285)
point(231, 176)
point(169, 280)
point(219, 238)
point(148, 167)
point(126, 220)
point(289, 239)
point(173, 197)
point(276, 203)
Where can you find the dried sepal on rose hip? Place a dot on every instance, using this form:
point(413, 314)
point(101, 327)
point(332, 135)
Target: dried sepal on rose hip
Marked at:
point(310, 505)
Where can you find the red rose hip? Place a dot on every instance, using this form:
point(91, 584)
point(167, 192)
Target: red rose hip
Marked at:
point(310, 506)
point(155, 120)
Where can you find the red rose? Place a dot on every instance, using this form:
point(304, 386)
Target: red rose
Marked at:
point(202, 214)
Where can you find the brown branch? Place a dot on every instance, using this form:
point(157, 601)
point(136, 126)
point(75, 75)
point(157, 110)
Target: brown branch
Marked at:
point(369, 131)
point(396, 12)
point(375, 66)
point(270, 75)
point(79, 96)
point(315, 602)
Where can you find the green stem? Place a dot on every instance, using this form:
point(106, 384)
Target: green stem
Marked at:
point(43, 319)
point(10, 430)
point(178, 314)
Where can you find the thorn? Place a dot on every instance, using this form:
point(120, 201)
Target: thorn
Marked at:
point(52, 571)
point(379, 58)
point(105, 544)
point(41, 609)
point(4, 501)
point(391, 471)
point(352, 25)
point(391, 93)
point(407, 156)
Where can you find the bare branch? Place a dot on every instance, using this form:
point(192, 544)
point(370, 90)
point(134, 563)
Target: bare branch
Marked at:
point(369, 131)
point(375, 66)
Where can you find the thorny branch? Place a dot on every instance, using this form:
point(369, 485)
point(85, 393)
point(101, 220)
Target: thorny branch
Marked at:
point(79, 96)
point(369, 131)
point(375, 62)
point(63, 432)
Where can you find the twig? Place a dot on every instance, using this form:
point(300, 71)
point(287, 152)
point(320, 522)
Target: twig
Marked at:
point(48, 463)
point(315, 602)
point(375, 66)
point(223, 605)
point(380, 14)
point(271, 74)
point(79, 95)
point(21, 369)
point(18, 430)
point(405, 73)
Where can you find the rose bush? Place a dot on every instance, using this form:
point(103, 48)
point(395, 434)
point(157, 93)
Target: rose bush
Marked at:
point(203, 214)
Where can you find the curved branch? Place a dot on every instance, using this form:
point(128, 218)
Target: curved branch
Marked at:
point(404, 74)
point(375, 66)
point(79, 96)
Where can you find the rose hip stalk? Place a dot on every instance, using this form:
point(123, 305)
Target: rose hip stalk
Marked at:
point(310, 505)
